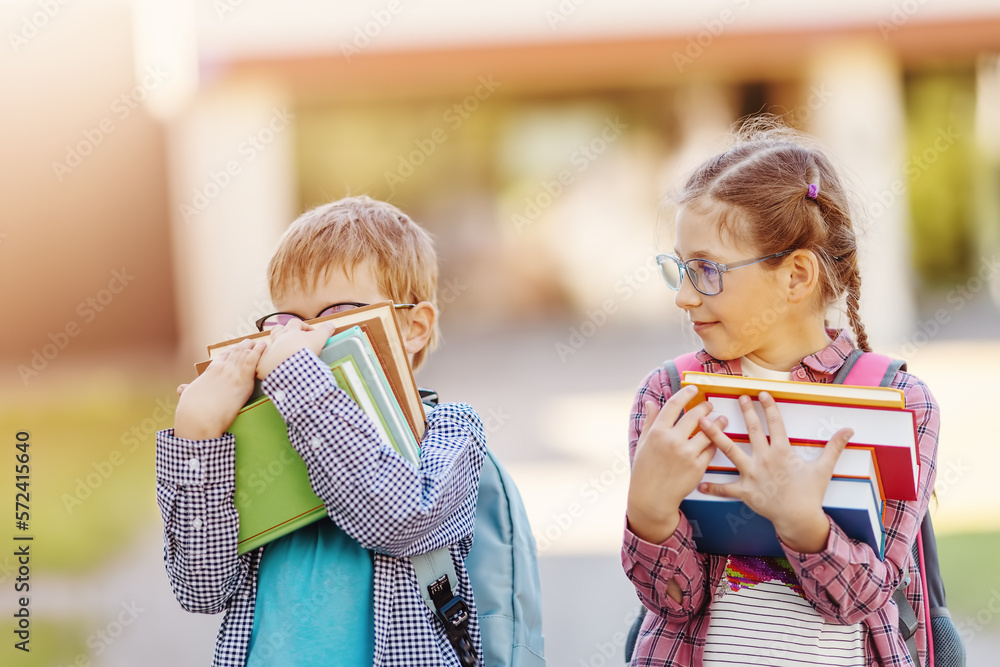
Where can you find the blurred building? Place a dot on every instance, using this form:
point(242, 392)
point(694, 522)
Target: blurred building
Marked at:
point(153, 152)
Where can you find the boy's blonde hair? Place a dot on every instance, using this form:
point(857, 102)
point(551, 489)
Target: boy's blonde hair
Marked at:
point(345, 233)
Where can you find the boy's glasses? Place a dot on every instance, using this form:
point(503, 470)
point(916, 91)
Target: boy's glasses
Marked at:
point(274, 319)
point(704, 274)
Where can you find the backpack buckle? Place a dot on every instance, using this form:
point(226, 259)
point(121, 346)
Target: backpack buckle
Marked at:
point(454, 614)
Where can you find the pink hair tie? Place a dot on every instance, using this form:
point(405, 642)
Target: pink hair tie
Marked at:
point(813, 191)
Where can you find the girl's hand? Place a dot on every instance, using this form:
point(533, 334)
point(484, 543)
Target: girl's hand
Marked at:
point(667, 466)
point(209, 404)
point(776, 482)
point(286, 340)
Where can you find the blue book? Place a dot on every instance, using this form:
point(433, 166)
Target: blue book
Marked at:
point(728, 526)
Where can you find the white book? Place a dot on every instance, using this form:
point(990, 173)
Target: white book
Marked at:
point(853, 463)
point(891, 434)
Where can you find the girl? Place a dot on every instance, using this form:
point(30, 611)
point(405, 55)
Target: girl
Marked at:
point(764, 229)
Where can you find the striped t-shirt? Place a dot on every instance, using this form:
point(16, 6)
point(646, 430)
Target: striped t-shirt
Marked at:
point(759, 615)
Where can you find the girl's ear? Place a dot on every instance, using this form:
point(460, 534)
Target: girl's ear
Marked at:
point(803, 278)
point(421, 323)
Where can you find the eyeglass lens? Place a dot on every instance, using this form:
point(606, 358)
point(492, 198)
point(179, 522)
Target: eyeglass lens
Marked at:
point(339, 308)
point(284, 318)
point(671, 272)
point(704, 275)
point(278, 319)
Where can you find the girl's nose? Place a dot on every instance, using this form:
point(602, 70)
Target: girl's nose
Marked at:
point(687, 296)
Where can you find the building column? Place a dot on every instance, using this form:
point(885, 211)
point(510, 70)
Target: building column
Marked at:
point(987, 178)
point(232, 192)
point(862, 124)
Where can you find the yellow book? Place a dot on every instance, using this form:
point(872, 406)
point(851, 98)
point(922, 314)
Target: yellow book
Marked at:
point(788, 390)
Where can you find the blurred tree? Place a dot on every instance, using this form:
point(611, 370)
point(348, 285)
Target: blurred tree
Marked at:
point(939, 171)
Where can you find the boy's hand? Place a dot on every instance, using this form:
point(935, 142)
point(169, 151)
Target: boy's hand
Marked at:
point(209, 404)
point(285, 341)
point(668, 464)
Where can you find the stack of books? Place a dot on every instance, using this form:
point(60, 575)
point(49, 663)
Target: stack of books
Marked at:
point(367, 359)
point(880, 462)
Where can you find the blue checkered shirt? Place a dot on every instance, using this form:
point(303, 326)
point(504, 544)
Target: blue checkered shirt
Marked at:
point(377, 497)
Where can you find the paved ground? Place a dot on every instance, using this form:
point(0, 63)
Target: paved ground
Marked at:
point(560, 427)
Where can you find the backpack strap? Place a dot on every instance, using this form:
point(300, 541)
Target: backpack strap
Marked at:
point(907, 621)
point(438, 583)
point(868, 369)
point(676, 367)
point(436, 576)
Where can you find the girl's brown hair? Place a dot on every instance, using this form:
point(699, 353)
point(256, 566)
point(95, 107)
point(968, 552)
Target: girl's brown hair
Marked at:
point(764, 179)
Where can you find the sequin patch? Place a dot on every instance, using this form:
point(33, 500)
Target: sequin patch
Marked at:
point(748, 571)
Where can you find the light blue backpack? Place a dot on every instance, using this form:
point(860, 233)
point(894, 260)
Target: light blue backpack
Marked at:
point(503, 568)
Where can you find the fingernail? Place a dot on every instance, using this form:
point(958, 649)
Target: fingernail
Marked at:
point(744, 399)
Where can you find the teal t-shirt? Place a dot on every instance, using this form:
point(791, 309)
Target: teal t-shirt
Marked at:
point(314, 601)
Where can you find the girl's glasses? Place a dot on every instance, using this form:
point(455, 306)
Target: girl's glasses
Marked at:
point(704, 274)
point(274, 319)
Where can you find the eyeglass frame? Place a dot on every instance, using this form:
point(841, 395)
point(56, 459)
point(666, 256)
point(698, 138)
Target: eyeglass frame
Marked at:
point(720, 267)
point(260, 322)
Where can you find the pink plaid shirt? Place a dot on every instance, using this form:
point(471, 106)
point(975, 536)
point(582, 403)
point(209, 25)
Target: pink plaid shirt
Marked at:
point(845, 583)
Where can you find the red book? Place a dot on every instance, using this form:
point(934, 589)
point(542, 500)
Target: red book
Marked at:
point(890, 433)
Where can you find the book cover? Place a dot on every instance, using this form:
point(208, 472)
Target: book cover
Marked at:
point(378, 321)
point(728, 526)
point(890, 433)
point(791, 390)
point(273, 495)
point(352, 352)
point(856, 463)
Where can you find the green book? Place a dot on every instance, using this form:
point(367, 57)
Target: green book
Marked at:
point(273, 495)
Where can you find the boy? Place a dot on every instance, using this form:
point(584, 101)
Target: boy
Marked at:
point(340, 591)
